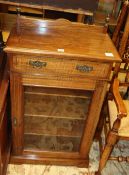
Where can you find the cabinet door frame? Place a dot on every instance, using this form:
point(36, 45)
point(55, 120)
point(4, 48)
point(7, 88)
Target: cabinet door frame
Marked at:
point(16, 89)
point(17, 98)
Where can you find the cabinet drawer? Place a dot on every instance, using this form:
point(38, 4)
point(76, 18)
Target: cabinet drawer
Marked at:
point(60, 67)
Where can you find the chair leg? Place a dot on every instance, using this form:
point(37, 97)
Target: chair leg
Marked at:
point(97, 173)
point(112, 138)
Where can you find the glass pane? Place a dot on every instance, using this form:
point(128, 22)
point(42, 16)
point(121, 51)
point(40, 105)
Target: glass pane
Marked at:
point(52, 143)
point(54, 119)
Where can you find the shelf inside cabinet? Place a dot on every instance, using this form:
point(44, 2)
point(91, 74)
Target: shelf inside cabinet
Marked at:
point(57, 92)
point(39, 104)
point(56, 106)
point(51, 143)
point(53, 126)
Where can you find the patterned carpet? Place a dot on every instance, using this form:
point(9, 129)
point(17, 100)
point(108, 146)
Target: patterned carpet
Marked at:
point(115, 168)
point(57, 170)
point(112, 167)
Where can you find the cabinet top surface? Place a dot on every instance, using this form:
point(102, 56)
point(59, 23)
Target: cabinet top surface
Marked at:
point(61, 38)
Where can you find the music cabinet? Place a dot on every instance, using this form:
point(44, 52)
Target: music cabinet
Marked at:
point(59, 73)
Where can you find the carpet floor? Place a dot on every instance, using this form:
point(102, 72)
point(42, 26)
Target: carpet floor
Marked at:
point(112, 167)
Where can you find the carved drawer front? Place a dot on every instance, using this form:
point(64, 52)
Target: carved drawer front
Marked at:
point(66, 67)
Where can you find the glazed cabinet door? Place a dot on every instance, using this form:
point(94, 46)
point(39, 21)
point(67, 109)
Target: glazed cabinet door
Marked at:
point(55, 124)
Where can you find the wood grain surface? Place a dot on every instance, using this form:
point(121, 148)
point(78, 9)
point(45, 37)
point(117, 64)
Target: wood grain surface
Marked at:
point(62, 38)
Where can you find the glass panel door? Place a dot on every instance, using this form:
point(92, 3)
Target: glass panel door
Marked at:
point(54, 119)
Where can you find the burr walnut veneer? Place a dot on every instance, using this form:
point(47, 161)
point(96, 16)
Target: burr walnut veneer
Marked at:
point(59, 73)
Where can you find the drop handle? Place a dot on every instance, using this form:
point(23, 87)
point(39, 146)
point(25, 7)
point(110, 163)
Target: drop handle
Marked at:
point(37, 64)
point(84, 68)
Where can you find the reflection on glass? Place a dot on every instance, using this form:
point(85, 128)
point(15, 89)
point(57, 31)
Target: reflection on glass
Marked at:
point(54, 119)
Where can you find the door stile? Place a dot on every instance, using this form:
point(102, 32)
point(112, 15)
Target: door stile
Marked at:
point(93, 117)
point(17, 112)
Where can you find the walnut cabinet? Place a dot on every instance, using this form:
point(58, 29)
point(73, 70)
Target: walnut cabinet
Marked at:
point(59, 73)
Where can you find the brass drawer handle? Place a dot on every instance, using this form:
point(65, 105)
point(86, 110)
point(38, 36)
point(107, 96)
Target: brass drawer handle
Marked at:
point(37, 64)
point(84, 68)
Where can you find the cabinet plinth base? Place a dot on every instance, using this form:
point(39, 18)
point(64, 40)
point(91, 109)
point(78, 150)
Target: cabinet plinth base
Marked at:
point(34, 159)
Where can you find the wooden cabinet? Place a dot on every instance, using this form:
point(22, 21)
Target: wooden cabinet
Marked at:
point(58, 76)
point(4, 116)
